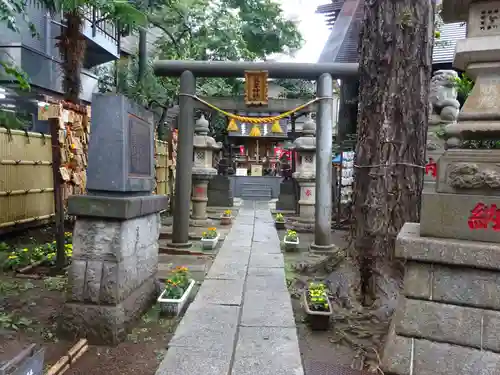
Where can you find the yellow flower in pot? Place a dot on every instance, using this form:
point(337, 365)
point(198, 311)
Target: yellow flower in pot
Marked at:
point(226, 217)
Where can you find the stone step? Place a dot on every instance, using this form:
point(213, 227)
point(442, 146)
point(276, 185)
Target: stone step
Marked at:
point(256, 188)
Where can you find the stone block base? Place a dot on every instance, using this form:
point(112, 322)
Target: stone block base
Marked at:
point(448, 320)
point(446, 216)
point(407, 355)
point(107, 324)
point(111, 277)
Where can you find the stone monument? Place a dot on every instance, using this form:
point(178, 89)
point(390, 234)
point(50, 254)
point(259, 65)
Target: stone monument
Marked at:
point(203, 171)
point(115, 239)
point(220, 193)
point(448, 319)
point(287, 199)
point(443, 110)
point(306, 176)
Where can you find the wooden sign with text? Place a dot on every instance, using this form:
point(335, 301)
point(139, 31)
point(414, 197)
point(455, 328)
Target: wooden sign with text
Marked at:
point(256, 88)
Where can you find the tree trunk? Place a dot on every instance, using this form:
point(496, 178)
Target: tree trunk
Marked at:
point(72, 46)
point(395, 70)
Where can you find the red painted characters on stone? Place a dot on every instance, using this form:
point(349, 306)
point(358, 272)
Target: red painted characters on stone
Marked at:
point(308, 192)
point(199, 191)
point(482, 216)
point(431, 167)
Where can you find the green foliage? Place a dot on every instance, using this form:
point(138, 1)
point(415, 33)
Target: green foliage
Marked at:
point(296, 88)
point(222, 30)
point(464, 85)
point(177, 283)
point(317, 297)
point(122, 11)
point(22, 257)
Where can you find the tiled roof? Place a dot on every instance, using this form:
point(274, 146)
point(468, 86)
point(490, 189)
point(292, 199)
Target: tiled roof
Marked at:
point(444, 51)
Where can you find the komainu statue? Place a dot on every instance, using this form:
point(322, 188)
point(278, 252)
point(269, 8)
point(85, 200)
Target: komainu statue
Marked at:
point(443, 106)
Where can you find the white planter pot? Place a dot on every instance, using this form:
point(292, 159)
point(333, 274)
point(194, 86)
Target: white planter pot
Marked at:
point(209, 243)
point(173, 307)
point(291, 245)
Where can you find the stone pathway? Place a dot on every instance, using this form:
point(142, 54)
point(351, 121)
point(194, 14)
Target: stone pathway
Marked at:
point(241, 321)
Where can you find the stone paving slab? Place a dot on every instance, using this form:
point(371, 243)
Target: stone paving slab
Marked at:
point(206, 327)
point(221, 292)
point(230, 265)
point(271, 283)
point(267, 351)
point(264, 248)
point(267, 261)
point(263, 309)
point(184, 361)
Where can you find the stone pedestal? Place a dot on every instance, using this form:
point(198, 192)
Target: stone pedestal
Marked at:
point(306, 176)
point(448, 317)
point(115, 239)
point(203, 171)
point(220, 193)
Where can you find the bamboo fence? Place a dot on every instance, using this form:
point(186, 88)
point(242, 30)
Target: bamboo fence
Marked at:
point(26, 186)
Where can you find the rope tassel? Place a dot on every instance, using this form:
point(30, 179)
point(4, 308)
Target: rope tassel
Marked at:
point(232, 127)
point(276, 127)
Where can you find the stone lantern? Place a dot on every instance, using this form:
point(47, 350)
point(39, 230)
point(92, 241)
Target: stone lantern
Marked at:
point(203, 171)
point(305, 175)
point(479, 56)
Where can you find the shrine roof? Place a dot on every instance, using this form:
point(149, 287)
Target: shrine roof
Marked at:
point(342, 45)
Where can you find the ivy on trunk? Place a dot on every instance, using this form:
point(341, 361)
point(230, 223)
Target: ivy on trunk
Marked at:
point(395, 70)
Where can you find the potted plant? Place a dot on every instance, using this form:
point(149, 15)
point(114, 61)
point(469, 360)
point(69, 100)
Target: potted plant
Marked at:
point(176, 293)
point(279, 221)
point(209, 239)
point(317, 306)
point(226, 218)
point(291, 240)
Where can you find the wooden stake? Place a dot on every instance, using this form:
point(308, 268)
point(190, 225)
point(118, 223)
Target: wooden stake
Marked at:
point(58, 193)
point(66, 361)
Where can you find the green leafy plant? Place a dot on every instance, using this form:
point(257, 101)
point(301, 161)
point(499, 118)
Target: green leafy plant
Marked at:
point(10, 321)
point(317, 297)
point(291, 235)
point(279, 218)
point(464, 85)
point(177, 284)
point(210, 233)
point(45, 253)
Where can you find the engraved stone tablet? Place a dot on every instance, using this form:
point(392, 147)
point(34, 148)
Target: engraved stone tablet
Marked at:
point(139, 136)
point(121, 149)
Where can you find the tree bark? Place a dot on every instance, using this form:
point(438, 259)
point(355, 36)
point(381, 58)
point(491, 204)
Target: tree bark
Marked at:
point(395, 70)
point(72, 47)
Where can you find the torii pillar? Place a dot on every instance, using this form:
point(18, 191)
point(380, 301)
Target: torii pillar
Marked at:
point(323, 73)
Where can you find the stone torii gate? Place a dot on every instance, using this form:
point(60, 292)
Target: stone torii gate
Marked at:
point(323, 73)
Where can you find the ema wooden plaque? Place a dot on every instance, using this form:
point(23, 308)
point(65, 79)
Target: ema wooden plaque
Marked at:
point(256, 88)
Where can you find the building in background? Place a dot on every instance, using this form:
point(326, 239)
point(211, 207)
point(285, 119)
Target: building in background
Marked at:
point(39, 57)
point(345, 18)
